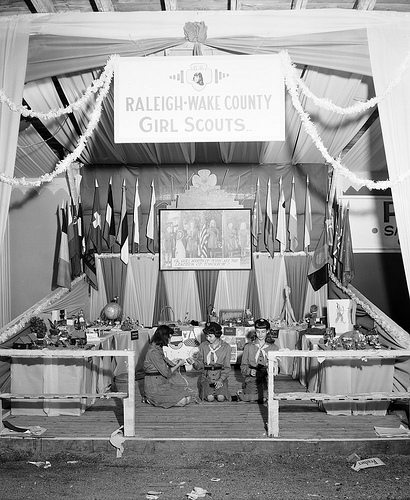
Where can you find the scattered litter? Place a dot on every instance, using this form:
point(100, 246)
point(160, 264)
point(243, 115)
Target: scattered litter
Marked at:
point(392, 431)
point(369, 462)
point(354, 457)
point(197, 493)
point(44, 465)
point(10, 429)
point(116, 439)
point(215, 479)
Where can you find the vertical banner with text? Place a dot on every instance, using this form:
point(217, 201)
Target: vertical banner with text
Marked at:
point(199, 99)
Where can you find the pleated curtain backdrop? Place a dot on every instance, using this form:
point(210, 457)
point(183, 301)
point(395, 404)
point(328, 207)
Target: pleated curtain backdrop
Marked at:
point(150, 295)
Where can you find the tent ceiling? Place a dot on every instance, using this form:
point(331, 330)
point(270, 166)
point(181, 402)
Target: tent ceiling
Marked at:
point(40, 144)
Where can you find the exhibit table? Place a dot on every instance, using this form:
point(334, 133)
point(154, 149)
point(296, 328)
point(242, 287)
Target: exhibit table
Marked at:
point(349, 376)
point(57, 376)
point(287, 339)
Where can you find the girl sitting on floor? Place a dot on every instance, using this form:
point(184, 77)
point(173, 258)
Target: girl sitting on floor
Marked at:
point(214, 360)
point(254, 364)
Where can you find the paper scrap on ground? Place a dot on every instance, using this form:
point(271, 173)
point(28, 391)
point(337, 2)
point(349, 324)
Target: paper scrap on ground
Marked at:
point(17, 431)
point(44, 465)
point(369, 462)
point(197, 493)
point(354, 457)
point(392, 431)
point(116, 439)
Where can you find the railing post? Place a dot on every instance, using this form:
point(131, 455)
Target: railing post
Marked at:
point(129, 403)
point(273, 405)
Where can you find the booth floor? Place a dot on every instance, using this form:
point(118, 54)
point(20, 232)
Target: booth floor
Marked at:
point(234, 426)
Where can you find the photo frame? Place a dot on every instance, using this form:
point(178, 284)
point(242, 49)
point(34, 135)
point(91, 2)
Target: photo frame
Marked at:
point(205, 239)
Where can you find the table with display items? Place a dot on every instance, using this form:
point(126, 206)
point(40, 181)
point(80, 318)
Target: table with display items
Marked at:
point(347, 376)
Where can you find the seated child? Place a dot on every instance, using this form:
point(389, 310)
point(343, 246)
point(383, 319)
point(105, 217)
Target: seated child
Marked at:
point(254, 364)
point(214, 360)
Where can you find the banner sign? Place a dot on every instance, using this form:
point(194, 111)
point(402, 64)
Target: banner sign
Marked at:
point(372, 224)
point(199, 99)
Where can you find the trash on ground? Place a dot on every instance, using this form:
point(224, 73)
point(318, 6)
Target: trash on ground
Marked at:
point(197, 493)
point(368, 462)
point(392, 431)
point(354, 457)
point(116, 439)
point(44, 465)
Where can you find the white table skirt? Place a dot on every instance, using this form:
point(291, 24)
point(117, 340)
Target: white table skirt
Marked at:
point(57, 376)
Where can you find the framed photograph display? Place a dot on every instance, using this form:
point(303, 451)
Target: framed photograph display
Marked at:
point(205, 239)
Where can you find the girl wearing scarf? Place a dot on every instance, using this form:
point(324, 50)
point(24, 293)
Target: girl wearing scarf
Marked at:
point(214, 360)
point(254, 363)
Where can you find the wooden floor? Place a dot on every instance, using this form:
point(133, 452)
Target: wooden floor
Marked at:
point(298, 421)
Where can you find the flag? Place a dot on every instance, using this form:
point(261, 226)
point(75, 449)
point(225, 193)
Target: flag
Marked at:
point(109, 222)
point(337, 240)
point(90, 267)
point(293, 220)
point(346, 251)
point(281, 225)
point(74, 245)
point(136, 218)
point(331, 210)
point(151, 220)
point(308, 217)
point(80, 227)
point(318, 273)
point(256, 217)
point(122, 235)
point(64, 267)
point(94, 232)
point(203, 240)
point(268, 230)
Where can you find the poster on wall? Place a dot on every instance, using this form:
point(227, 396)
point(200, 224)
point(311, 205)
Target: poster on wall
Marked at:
point(199, 99)
point(372, 224)
point(205, 239)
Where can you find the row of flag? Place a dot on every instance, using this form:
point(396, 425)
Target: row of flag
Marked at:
point(334, 250)
point(286, 234)
point(77, 246)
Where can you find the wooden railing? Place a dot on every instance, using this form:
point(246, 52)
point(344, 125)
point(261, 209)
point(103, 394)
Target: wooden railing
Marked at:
point(128, 398)
point(274, 398)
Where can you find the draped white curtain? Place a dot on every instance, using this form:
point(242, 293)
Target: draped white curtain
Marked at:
point(14, 36)
point(98, 297)
point(395, 119)
point(140, 288)
point(231, 290)
point(5, 303)
point(271, 279)
point(182, 293)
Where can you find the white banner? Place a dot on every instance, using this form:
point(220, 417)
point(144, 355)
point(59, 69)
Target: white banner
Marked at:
point(372, 224)
point(199, 99)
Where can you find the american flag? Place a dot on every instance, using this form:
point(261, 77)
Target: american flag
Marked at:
point(203, 240)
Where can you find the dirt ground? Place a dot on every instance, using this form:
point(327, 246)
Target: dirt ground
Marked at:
point(233, 476)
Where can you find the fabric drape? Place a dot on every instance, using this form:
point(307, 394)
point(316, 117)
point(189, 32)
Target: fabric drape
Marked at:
point(297, 267)
point(183, 294)
point(114, 274)
point(14, 38)
point(394, 114)
point(207, 282)
point(231, 290)
point(271, 282)
point(141, 285)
